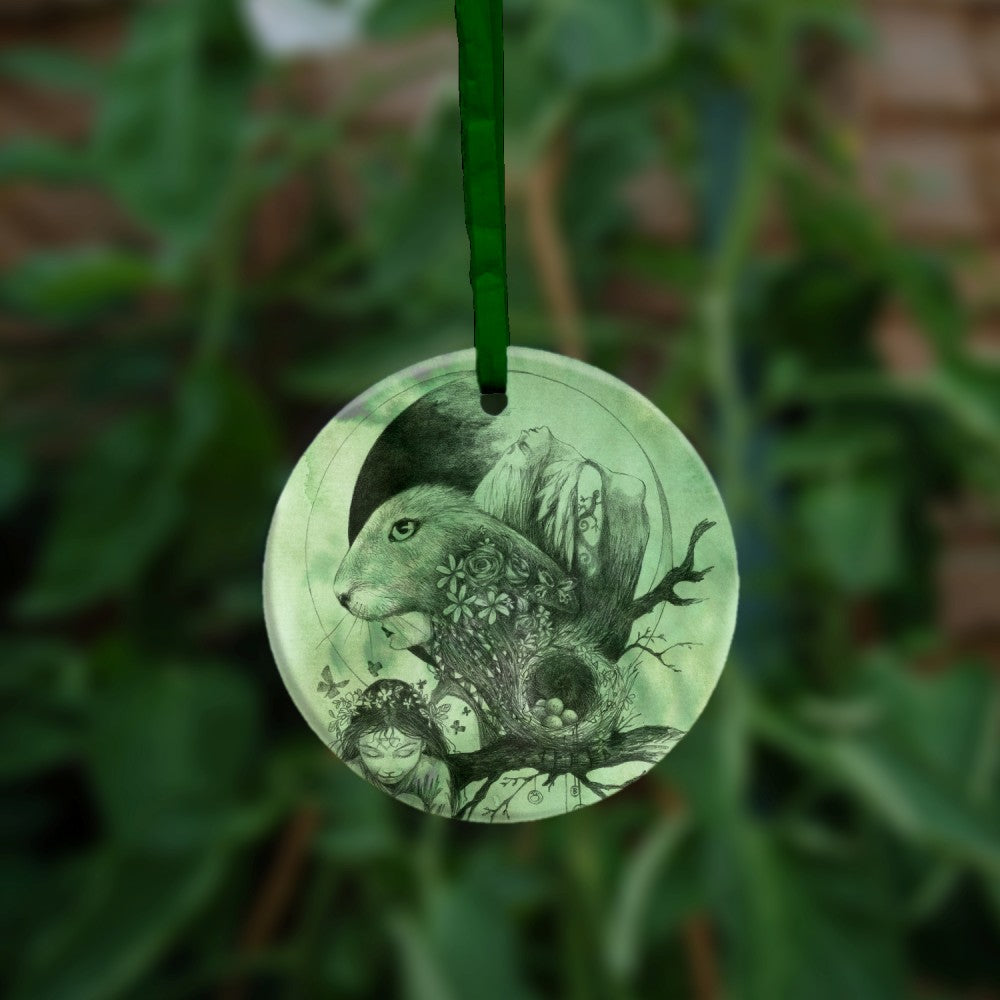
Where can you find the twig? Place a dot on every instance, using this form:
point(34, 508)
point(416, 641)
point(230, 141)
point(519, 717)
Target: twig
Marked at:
point(599, 788)
point(645, 745)
point(276, 891)
point(700, 947)
point(699, 944)
point(682, 573)
point(645, 637)
point(466, 811)
point(504, 806)
point(549, 248)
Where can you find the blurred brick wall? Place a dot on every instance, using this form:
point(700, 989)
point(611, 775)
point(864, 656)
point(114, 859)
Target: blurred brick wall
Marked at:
point(929, 129)
point(924, 105)
point(35, 216)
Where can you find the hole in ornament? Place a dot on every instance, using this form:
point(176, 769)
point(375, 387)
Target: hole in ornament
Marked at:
point(493, 403)
point(562, 684)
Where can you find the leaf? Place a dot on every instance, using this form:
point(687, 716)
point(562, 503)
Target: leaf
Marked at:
point(951, 719)
point(169, 130)
point(396, 18)
point(130, 910)
point(419, 226)
point(921, 808)
point(635, 890)
point(42, 160)
point(948, 725)
point(52, 68)
point(116, 509)
point(344, 373)
point(41, 669)
point(35, 740)
point(843, 23)
point(555, 53)
point(827, 449)
point(357, 828)
point(835, 917)
point(591, 41)
point(931, 297)
point(74, 284)
point(895, 784)
point(536, 101)
point(15, 475)
point(608, 147)
point(423, 978)
point(31, 889)
point(852, 531)
point(969, 396)
point(230, 481)
point(470, 936)
point(127, 495)
point(169, 749)
point(833, 221)
point(821, 307)
point(709, 764)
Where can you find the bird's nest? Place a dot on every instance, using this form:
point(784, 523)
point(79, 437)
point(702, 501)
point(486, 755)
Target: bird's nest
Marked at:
point(566, 698)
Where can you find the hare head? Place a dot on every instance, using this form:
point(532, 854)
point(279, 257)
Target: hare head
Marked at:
point(395, 563)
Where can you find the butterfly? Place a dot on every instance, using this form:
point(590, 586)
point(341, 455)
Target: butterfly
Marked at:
point(374, 668)
point(421, 685)
point(466, 710)
point(328, 685)
point(457, 727)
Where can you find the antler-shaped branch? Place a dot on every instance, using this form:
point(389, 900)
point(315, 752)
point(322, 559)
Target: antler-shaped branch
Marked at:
point(684, 572)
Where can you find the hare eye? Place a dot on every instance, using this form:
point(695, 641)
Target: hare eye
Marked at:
point(403, 529)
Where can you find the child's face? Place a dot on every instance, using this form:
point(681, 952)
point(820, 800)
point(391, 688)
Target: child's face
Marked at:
point(391, 755)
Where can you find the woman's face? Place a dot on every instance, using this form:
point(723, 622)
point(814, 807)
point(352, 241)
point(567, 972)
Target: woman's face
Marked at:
point(390, 755)
point(531, 445)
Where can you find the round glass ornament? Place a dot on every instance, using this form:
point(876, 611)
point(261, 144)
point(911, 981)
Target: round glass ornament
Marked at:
point(500, 617)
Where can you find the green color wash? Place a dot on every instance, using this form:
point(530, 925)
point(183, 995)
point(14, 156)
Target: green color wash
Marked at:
point(500, 618)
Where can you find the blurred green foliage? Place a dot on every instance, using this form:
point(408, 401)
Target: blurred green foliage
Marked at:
point(831, 826)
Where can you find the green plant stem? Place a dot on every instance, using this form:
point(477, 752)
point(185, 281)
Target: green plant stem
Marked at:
point(730, 256)
point(252, 178)
point(305, 973)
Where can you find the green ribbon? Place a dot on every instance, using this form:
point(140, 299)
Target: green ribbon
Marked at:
point(480, 101)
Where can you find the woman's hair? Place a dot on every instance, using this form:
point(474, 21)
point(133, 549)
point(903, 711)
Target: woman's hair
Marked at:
point(391, 704)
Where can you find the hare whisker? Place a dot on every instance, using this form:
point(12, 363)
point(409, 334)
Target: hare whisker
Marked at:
point(336, 628)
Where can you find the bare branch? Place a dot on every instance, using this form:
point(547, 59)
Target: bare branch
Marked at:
point(684, 572)
point(599, 788)
point(504, 806)
point(647, 744)
point(466, 811)
point(643, 643)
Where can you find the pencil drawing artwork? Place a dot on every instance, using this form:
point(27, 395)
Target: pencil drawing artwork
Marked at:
point(510, 573)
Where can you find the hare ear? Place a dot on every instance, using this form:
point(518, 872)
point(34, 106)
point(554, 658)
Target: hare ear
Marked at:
point(548, 584)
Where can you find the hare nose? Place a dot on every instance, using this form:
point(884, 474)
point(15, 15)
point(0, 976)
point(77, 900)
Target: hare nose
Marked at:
point(345, 599)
